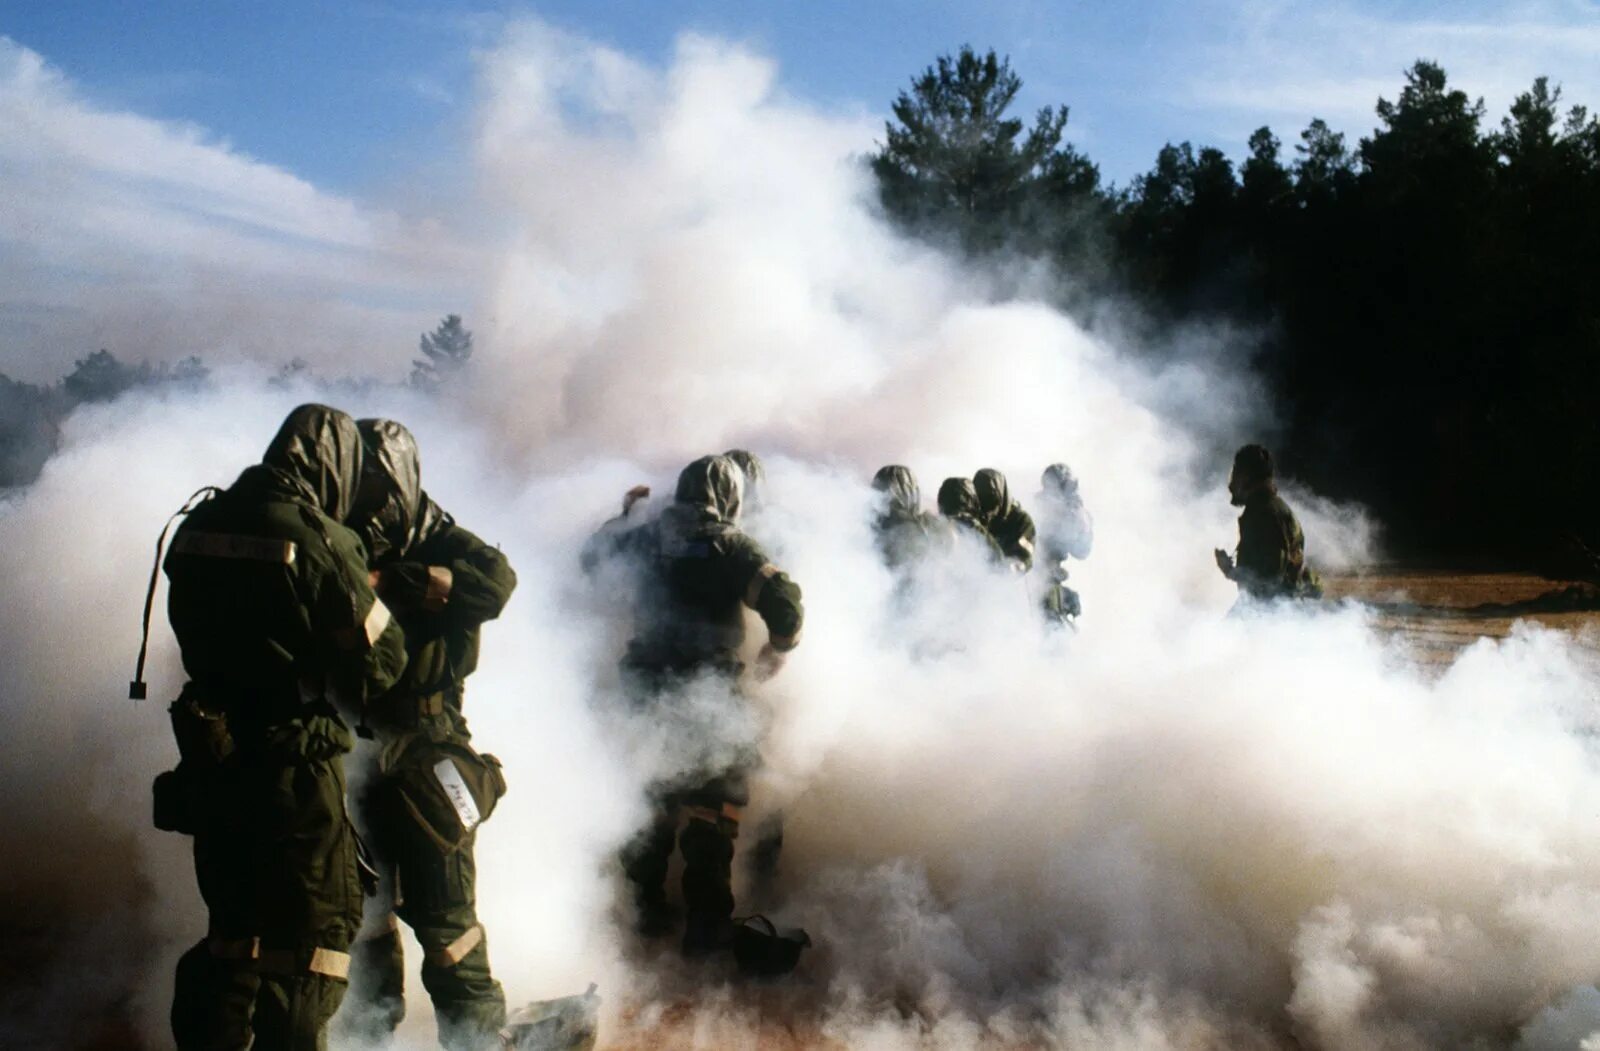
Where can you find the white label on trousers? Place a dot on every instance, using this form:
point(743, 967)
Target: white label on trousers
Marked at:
point(456, 789)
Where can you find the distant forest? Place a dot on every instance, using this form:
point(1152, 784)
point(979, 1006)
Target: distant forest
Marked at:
point(31, 414)
point(1423, 304)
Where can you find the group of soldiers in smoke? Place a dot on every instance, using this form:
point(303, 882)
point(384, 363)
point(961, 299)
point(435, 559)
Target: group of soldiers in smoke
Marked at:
point(326, 589)
point(982, 509)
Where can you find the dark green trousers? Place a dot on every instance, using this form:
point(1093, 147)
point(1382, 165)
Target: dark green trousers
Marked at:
point(434, 891)
point(276, 864)
point(710, 815)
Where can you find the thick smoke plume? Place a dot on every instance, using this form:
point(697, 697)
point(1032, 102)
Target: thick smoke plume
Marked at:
point(1168, 830)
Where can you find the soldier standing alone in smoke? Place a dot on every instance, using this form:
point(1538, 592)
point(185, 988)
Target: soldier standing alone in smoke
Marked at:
point(1270, 561)
point(1067, 531)
point(279, 629)
point(697, 573)
point(443, 583)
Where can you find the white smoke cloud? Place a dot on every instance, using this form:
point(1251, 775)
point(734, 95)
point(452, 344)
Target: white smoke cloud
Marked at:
point(1169, 830)
point(154, 240)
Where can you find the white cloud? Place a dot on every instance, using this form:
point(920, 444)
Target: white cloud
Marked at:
point(1287, 61)
point(155, 240)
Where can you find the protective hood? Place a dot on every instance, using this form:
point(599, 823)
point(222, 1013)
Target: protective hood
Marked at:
point(899, 485)
point(393, 514)
point(958, 496)
point(714, 485)
point(706, 503)
point(994, 495)
point(755, 474)
point(1059, 483)
point(320, 448)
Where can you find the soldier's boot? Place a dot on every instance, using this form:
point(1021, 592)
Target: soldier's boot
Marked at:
point(644, 863)
point(707, 885)
point(212, 999)
point(469, 1004)
point(376, 1003)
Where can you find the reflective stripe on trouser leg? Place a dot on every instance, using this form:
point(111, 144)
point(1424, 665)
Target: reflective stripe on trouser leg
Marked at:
point(440, 909)
point(469, 1004)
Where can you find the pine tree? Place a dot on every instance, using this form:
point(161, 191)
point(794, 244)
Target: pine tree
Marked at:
point(446, 352)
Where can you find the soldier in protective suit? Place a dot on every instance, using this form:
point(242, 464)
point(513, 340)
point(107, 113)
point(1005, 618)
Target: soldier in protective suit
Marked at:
point(1066, 531)
point(442, 583)
point(278, 627)
point(698, 573)
point(1270, 561)
point(1011, 526)
point(958, 503)
point(904, 532)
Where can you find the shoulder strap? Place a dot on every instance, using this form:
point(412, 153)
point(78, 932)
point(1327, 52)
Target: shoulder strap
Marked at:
point(137, 690)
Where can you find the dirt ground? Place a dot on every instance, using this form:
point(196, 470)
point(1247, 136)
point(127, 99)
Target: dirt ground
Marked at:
point(1438, 614)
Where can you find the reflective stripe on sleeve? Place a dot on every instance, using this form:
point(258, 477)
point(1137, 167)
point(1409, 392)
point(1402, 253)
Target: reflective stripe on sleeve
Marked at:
point(457, 950)
point(377, 620)
point(367, 634)
point(235, 545)
point(758, 584)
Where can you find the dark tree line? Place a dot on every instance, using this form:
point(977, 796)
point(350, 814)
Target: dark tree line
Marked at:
point(1427, 298)
point(31, 414)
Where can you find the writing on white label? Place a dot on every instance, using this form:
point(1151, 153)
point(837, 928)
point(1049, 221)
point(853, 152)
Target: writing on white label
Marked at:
point(455, 790)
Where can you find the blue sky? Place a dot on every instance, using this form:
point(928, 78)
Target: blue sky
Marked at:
point(343, 94)
point(254, 179)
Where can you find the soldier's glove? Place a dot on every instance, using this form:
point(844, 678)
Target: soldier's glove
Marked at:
point(769, 662)
point(1225, 563)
